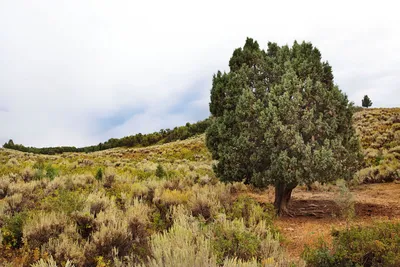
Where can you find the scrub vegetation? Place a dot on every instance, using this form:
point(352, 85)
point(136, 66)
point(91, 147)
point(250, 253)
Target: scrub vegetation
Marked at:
point(163, 205)
point(156, 206)
point(283, 156)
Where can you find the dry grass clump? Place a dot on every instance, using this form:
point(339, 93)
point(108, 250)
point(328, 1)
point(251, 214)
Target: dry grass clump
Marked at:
point(233, 239)
point(39, 228)
point(240, 263)
point(114, 234)
point(85, 162)
point(56, 184)
point(4, 186)
point(182, 245)
point(65, 249)
point(28, 189)
point(206, 201)
point(139, 190)
point(15, 203)
point(27, 174)
point(169, 197)
point(109, 178)
point(379, 174)
point(124, 234)
point(50, 262)
point(12, 162)
point(97, 202)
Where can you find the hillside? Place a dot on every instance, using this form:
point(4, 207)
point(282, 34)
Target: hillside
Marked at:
point(163, 205)
point(379, 131)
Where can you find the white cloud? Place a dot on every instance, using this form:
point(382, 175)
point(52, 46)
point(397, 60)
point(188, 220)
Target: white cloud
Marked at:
point(65, 65)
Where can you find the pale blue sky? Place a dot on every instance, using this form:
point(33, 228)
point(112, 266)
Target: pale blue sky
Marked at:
point(79, 72)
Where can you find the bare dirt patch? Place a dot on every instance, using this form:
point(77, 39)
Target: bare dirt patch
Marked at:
point(315, 213)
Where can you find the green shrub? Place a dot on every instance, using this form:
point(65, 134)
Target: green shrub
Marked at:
point(51, 172)
point(39, 174)
point(99, 174)
point(251, 211)
point(64, 201)
point(39, 169)
point(12, 230)
point(232, 239)
point(377, 245)
point(160, 172)
point(39, 164)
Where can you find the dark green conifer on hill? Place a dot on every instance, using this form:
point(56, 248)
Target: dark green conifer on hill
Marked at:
point(366, 102)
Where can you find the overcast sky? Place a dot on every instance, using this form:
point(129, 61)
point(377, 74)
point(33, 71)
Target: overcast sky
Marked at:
point(80, 72)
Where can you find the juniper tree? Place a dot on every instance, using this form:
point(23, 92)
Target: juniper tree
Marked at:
point(278, 119)
point(366, 102)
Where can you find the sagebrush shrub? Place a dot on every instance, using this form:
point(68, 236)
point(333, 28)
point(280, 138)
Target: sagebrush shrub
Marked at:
point(204, 202)
point(50, 262)
point(15, 203)
point(113, 235)
point(109, 178)
point(40, 227)
point(345, 201)
point(182, 245)
point(85, 223)
point(27, 174)
point(4, 186)
point(97, 202)
point(65, 249)
point(139, 224)
point(160, 172)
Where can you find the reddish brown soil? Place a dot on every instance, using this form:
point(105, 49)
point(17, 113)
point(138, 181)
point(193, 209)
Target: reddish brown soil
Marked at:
point(315, 213)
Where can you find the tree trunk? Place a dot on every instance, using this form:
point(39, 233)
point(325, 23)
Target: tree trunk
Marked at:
point(283, 192)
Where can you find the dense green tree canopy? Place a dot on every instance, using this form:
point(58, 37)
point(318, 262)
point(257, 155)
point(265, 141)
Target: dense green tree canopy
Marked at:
point(278, 119)
point(366, 102)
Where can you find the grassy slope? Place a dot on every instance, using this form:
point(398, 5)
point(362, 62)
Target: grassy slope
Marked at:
point(125, 161)
point(379, 131)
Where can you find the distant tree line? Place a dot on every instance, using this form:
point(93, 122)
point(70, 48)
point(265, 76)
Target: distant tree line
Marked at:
point(138, 140)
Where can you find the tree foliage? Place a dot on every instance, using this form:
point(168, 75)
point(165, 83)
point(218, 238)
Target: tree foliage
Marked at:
point(278, 119)
point(366, 102)
point(138, 140)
